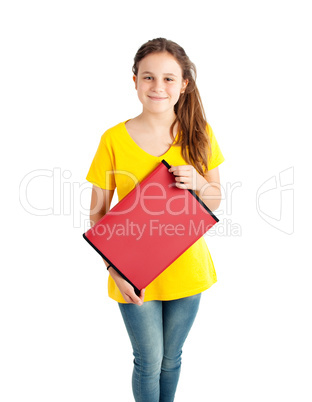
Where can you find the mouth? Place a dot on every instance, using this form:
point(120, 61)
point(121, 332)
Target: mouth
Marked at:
point(157, 98)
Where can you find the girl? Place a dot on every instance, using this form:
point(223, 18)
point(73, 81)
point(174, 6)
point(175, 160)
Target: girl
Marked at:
point(172, 126)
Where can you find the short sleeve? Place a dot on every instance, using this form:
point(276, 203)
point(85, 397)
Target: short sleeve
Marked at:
point(101, 172)
point(216, 157)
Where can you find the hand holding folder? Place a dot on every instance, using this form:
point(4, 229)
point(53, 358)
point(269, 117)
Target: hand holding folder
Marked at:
point(150, 228)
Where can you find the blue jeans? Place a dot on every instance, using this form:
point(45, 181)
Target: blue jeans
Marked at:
point(157, 331)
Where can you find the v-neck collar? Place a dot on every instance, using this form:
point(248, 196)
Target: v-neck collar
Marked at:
point(131, 140)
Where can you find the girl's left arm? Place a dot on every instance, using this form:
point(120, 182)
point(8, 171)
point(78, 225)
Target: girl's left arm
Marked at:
point(207, 187)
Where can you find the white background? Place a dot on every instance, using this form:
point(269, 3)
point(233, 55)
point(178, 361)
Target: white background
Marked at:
point(65, 78)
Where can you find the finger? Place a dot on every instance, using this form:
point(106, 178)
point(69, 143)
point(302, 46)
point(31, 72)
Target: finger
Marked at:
point(183, 182)
point(142, 295)
point(127, 298)
point(184, 179)
point(180, 168)
point(186, 175)
point(134, 298)
point(175, 170)
point(182, 186)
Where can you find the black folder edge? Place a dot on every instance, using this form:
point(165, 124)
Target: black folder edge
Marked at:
point(136, 290)
point(196, 196)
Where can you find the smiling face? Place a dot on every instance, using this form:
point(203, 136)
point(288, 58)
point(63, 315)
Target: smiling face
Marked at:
point(159, 82)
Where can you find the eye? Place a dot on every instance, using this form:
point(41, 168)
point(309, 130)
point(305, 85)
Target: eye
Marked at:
point(169, 79)
point(148, 78)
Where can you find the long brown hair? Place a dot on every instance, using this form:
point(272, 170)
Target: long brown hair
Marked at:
point(190, 114)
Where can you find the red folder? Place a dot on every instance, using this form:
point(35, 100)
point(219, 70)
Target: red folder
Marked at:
point(150, 227)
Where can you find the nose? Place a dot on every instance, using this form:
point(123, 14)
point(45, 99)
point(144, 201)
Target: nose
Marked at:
point(158, 85)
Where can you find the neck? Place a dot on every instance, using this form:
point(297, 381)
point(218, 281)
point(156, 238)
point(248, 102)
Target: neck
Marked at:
point(157, 122)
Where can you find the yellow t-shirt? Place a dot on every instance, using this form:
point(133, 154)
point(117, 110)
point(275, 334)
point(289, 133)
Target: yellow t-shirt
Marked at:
point(120, 162)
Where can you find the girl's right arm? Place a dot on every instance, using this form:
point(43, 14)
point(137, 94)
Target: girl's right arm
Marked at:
point(100, 204)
